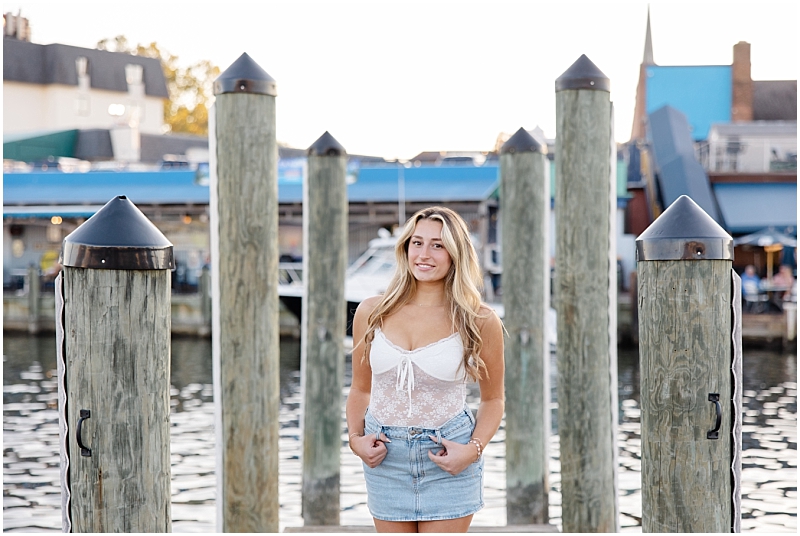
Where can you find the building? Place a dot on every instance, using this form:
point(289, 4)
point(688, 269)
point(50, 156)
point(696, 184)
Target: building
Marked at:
point(40, 208)
point(65, 102)
point(713, 133)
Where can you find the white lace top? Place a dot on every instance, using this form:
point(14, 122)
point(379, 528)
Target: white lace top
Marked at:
point(423, 387)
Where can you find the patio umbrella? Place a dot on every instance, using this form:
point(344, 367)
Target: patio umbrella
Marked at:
point(766, 237)
point(769, 239)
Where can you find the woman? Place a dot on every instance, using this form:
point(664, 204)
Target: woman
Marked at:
point(415, 347)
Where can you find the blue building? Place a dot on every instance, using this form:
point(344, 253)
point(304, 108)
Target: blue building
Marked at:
point(716, 135)
point(41, 207)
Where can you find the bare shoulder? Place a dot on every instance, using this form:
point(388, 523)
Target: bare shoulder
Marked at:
point(488, 321)
point(365, 308)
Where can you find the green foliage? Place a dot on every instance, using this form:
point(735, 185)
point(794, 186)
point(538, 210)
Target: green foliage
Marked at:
point(190, 88)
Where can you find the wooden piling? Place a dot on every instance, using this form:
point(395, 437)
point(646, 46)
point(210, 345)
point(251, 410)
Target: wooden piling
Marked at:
point(245, 335)
point(205, 302)
point(684, 270)
point(525, 202)
point(116, 356)
point(585, 350)
point(322, 334)
point(34, 299)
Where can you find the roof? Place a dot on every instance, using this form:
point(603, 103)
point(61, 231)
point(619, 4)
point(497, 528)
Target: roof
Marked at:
point(95, 144)
point(33, 63)
point(374, 184)
point(40, 146)
point(702, 92)
point(647, 58)
point(426, 183)
point(747, 208)
point(441, 184)
point(757, 128)
point(775, 100)
point(679, 172)
point(97, 187)
point(153, 147)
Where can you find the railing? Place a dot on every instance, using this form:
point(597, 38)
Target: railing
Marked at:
point(747, 156)
point(290, 273)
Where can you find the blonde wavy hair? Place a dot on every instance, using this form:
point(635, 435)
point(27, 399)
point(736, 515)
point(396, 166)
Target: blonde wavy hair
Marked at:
point(463, 284)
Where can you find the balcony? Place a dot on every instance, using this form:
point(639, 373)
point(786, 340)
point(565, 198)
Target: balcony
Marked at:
point(758, 147)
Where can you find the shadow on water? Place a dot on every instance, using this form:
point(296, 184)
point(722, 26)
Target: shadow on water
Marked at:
point(191, 361)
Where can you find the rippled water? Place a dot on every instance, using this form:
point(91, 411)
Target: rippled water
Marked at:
point(31, 482)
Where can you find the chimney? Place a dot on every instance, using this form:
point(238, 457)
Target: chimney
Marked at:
point(16, 26)
point(742, 101)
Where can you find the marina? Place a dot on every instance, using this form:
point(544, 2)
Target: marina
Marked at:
point(203, 332)
point(31, 481)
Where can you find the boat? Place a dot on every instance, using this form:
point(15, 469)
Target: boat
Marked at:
point(369, 275)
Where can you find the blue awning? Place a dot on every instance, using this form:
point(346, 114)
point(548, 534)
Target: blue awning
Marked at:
point(98, 187)
point(47, 193)
point(441, 184)
point(48, 211)
point(749, 207)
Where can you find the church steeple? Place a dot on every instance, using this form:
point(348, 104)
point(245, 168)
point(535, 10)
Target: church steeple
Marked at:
point(639, 111)
point(648, 43)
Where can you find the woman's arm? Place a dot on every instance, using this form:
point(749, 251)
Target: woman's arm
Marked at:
point(456, 457)
point(371, 451)
point(492, 386)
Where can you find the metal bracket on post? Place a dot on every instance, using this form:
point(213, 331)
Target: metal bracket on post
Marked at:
point(714, 434)
point(84, 414)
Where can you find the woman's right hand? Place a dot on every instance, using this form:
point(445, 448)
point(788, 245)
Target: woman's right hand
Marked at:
point(371, 451)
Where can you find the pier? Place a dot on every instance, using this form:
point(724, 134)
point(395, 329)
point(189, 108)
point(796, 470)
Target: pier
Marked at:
point(266, 472)
point(189, 319)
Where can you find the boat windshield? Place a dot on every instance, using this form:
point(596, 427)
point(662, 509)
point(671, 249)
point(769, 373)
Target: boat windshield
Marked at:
point(375, 261)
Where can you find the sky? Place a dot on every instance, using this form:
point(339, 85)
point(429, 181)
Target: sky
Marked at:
point(394, 78)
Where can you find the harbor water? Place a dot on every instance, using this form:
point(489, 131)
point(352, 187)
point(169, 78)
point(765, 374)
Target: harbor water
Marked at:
point(31, 481)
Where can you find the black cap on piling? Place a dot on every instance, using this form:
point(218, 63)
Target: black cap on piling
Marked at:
point(118, 237)
point(684, 232)
point(326, 145)
point(583, 74)
point(245, 76)
point(521, 142)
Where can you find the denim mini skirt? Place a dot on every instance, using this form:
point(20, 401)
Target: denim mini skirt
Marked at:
point(408, 486)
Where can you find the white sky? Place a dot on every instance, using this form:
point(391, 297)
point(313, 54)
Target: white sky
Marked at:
point(393, 78)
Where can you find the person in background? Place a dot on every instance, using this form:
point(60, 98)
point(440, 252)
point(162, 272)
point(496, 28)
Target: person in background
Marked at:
point(784, 278)
point(750, 280)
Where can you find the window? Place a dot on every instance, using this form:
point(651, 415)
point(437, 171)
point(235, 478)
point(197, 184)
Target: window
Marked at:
point(133, 75)
point(82, 100)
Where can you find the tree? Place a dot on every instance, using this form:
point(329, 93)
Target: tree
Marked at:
point(190, 88)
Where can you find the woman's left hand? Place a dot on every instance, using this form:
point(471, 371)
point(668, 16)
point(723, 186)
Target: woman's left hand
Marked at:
point(453, 457)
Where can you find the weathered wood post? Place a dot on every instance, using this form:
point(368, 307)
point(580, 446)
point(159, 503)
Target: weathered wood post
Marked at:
point(585, 300)
point(525, 202)
point(245, 337)
point(34, 299)
point(690, 367)
point(205, 301)
point(323, 330)
point(113, 319)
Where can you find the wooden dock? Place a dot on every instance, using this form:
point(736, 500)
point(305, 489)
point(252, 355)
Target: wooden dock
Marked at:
point(771, 329)
point(187, 320)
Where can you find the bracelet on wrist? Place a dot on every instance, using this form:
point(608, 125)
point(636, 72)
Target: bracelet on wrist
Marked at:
point(478, 445)
point(349, 444)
